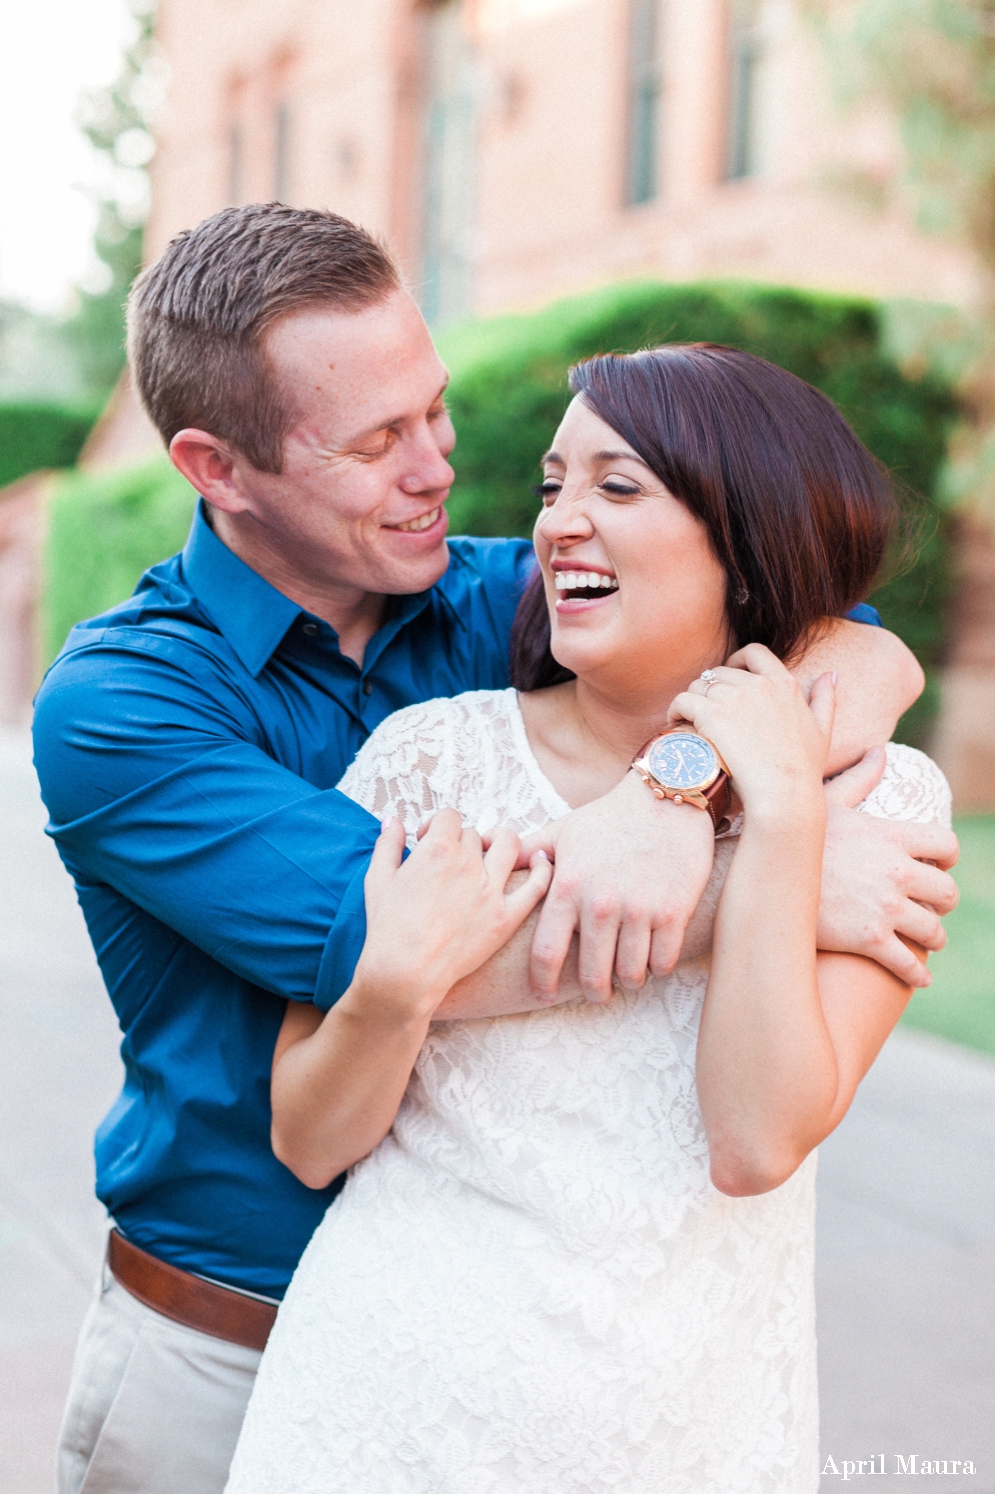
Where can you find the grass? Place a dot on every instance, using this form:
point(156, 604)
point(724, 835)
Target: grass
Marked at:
point(960, 1004)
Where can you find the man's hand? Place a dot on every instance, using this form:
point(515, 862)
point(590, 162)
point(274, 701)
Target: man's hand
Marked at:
point(877, 884)
point(629, 872)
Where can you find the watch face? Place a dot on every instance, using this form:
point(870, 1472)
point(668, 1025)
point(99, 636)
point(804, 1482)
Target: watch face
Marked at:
point(683, 760)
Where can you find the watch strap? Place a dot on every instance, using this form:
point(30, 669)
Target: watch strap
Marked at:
point(719, 797)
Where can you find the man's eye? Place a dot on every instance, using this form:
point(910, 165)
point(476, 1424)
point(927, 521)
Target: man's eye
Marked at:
point(379, 446)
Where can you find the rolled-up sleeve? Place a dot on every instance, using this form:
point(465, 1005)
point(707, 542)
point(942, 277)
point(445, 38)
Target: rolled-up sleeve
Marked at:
point(158, 783)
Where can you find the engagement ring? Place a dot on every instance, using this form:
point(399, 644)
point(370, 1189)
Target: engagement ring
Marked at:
point(709, 676)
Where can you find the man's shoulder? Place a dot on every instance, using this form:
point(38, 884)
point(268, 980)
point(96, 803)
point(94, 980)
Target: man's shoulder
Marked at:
point(156, 639)
point(161, 616)
point(481, 558)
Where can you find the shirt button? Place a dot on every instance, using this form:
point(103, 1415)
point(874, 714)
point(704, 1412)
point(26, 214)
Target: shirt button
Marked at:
point(367, 687)
point(310, 629)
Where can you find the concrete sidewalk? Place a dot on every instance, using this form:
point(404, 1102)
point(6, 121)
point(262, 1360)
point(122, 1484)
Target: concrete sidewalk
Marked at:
point(906, 1267)
point(906, 1274)
point(59, 1072)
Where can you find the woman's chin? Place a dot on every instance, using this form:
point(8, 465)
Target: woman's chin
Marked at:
point(583, 655)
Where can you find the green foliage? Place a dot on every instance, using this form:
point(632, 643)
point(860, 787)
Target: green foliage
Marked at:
point(115, 119)
point(35, 434)
point(958, 1005)
point(509, 391)
point(507, 396)
point(78, 356)
point(94, 335)
point(932, 63)
point(105, 530)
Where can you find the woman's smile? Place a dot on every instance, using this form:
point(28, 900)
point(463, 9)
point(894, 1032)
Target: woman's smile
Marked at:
point(580, 587)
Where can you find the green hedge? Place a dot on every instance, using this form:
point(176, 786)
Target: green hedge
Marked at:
point(105, 530)
point(507, 395)
point(509, 391)
point(34, 434)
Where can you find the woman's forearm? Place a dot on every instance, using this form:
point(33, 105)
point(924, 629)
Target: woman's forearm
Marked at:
point(766, 1065)
point(336, 1091)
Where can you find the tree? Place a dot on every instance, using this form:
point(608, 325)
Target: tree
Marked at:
point(933, 63)
point(117, 120)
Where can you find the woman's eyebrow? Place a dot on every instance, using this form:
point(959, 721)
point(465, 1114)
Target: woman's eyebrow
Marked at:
point(599, 456)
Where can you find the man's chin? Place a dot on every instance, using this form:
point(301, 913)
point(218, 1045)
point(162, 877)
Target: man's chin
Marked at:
point(405, 575)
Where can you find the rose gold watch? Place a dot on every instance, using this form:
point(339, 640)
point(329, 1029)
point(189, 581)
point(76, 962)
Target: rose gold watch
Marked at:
point(682, 765)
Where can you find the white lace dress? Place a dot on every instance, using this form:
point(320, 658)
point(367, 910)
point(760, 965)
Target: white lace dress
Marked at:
point(531, 1286)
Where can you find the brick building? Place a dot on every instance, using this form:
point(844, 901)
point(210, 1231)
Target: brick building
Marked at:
point(512, 151)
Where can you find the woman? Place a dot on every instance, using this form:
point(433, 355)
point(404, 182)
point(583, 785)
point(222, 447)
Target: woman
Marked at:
point(582, 1258)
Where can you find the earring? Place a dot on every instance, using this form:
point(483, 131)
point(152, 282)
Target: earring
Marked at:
point(742, 596)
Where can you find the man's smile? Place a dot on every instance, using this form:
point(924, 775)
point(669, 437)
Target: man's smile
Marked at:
point(414, 526)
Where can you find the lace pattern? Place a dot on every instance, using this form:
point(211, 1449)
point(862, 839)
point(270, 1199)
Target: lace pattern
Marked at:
point(532, 1285)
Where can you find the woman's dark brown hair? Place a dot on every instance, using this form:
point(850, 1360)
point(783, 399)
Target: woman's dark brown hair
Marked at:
point(798, 511)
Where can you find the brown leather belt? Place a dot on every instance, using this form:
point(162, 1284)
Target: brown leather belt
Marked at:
point(187, 1299)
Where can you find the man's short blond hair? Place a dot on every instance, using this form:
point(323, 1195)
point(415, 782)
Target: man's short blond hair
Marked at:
point(197, 317)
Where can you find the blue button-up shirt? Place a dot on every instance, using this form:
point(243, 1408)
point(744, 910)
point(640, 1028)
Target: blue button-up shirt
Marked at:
point(188, 745)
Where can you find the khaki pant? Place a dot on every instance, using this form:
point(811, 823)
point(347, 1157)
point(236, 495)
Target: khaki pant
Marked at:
point(154, 1408)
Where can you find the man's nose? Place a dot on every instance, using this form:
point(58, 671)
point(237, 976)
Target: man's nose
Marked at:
point(429, 477)
point(428, 470)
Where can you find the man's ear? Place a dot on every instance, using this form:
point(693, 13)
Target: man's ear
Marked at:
point(208, 465)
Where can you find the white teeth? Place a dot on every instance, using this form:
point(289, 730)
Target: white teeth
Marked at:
point(413, 525)
point(588, 580)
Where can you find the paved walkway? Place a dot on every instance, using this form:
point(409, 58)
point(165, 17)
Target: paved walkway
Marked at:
point(59, 1071)
point(906, 1224)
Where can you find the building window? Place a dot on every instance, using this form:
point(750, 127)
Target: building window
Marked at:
point(643, 169)
point(450, 166)
point(744, 94)
point(281, 154)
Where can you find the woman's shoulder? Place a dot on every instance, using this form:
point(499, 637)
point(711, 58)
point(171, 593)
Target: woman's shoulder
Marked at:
point(412, 757)
point(473, 713)
point(912, 787)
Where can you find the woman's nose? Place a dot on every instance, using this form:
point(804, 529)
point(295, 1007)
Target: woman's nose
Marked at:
point(564, 521)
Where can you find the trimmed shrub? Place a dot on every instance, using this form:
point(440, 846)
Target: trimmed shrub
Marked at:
point(509, 392)
point(507, 395)
point(105, 530)
point(34, 435)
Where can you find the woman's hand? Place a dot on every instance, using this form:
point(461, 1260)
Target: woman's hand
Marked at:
point(339, 1078)
point(439, 915)
point(774, 742)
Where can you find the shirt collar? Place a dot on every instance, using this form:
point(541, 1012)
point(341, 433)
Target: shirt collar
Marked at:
point(254, 617)
point(250, 613)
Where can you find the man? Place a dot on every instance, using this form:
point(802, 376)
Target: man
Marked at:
point(188, 744)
